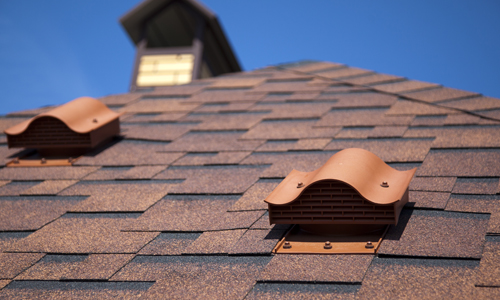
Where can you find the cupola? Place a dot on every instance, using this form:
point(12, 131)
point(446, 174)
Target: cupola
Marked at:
point(177, 41)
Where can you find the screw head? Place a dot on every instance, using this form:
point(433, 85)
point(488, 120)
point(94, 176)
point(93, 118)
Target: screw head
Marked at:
point(94, 120)
point(384, 184)
point(300, 184)
point(16, 160)
point(43, 161)
point(369, 245)
point(287, 245)
point(327, 245)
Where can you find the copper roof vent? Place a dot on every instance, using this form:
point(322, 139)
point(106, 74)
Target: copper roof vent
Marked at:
point(353, 191)
point(73, 127)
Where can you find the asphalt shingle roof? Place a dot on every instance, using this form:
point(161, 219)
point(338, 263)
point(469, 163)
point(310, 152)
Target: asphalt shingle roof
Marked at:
point(174, 208)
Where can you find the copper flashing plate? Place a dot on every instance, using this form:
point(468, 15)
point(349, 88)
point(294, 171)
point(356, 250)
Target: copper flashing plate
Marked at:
point(353, 187)
point(299, 241)
point(82, 123)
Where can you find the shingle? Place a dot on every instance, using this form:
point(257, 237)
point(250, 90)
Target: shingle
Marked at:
point(294, 110)
point(489, 272)
point(107, 173)
point(225, 121)
point(257, 242)
point(362, 117)
point(432, 184)
point(289, 129)
point(428, 199)
point(4, 182)
point(298, 291)
point(31, 213)
point(155, 117)
point(31, 112)
point(487, 292)
point(49, 187)
point(58, 290)
point(11, 264)
point(488, 186)
point(141, 172)
point(3, 283)
point(343, 73)
point(184, 213)
point(356, 132)
point(433, 120)
point(387, 131)
point(295, 145)
point(284, 163)
point(439, 94)
point(214, 242)
point(237, 220)
point(474, 203)
point(494, 114)
point(316, 268)
point(464, 163)
point(177, 90)
point(169, 244)
point(16, 188)
point(189, 277)
point(131, 153)
point(291, 97)
point(476, 103)
point(373, 79)
point(6, 154)
point(460, 136)
point(156, 132)
point(288, 86)
point(404, 86)
point(436, 234)
point(359, 100)
point(406, 107)
point(465, 119)
point(212, 158)
point(218, 107)
point(160, 106)
point(119, 99)
point(85, 233)
point(212, 180)
point(10, 237)
point(419, 279)
point(49, 173)
point(263, 223)
point(76, 267)
point(253, 199)
point(389, 150)
point(212, 142)
point(344, 89)
point(117, 196)
point(229, 95)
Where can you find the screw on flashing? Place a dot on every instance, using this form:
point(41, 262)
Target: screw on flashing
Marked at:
point(327, 245)
point(369, 245)
point(287, 245)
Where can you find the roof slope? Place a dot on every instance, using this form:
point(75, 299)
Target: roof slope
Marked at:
point(196, 162)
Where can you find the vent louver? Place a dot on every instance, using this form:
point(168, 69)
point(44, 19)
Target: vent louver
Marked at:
point(77, 125)
point(353, 187)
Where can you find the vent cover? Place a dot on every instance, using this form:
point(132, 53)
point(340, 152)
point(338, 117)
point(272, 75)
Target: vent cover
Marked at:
point(353, 187)
point(80, 124)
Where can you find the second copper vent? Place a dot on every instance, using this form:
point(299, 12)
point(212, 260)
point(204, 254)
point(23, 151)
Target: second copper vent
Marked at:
point(71, 128)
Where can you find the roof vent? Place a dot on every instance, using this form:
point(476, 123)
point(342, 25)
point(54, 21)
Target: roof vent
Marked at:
point(70, 129)
point(354, 192)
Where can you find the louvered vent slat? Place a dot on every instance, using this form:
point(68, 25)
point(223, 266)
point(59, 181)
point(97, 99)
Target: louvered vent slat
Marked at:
point(331, 203)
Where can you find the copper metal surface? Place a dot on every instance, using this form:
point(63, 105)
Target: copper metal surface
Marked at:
point(82, 123)
point(303, 242)
point(348, 189)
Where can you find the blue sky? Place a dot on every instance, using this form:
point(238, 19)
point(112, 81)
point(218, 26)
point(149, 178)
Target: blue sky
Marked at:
point(54, 51)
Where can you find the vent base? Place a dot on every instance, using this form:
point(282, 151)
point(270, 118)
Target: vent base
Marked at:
point(344, 241)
